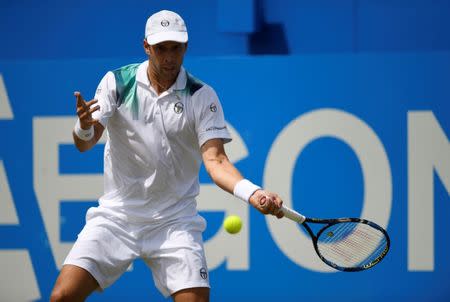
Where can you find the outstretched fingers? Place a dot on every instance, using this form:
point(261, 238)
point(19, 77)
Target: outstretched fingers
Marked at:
point(82, 113)
point(85, 110)
point(91, 102)
point(80, 99)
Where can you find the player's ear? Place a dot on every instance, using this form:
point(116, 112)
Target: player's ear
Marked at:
point(146, 47)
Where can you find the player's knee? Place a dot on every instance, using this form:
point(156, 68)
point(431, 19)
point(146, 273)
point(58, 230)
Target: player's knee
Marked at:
point(197, 294)
point(60, 295)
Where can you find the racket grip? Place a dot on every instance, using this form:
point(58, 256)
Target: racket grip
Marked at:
point(292, 214)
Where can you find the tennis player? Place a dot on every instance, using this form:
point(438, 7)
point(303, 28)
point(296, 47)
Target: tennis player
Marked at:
point(162, 122)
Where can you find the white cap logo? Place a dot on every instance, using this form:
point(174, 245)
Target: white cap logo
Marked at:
point(165, 23)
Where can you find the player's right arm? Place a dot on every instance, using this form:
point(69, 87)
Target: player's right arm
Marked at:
point(93, 115)
point(85, 122)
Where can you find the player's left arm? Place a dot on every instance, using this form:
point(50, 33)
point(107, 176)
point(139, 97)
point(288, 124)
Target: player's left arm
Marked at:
point(222, 171)
point(226, 176)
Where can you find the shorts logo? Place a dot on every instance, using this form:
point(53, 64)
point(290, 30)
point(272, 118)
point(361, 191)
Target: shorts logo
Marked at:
point(213, 107)
point(165, 23)
point(203, 273)
point(178, 108)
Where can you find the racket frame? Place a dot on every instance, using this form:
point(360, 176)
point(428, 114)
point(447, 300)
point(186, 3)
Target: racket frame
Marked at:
point(303, 220)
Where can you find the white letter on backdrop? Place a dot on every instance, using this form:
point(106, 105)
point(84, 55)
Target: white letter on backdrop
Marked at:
point(428, 151)
point(280, 169)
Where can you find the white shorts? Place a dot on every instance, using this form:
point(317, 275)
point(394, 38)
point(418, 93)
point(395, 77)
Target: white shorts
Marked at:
point(174, 251)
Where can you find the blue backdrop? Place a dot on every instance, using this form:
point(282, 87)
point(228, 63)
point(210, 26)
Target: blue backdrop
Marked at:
point(348, 117)
point(53, 29)
point(335, 135)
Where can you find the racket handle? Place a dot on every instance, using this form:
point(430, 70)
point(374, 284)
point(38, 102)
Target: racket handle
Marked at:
point(292, 214)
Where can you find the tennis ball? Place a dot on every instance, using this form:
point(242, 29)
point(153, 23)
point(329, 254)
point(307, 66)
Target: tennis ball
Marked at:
point(232, 224)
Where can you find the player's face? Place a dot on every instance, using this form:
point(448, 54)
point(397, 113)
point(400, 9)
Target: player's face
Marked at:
point(166, 58)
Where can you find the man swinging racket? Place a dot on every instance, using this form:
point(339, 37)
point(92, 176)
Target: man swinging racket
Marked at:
point(162, 123)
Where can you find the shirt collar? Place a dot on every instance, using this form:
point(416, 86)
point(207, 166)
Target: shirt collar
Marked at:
point(141, 74)
point(180, 83)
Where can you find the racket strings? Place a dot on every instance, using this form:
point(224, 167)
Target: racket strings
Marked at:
point(354, 248)
point(351, 244)
point(350, 248)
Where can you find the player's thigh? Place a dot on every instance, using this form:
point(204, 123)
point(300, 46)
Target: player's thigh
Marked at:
point(73, 284)
point(176, 256)
point(197, 294)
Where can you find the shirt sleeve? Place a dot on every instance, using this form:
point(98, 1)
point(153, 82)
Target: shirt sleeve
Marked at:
point(106, 96)
point(209, 118)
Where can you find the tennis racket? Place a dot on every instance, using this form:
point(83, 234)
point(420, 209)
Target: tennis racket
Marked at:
point(346, 244)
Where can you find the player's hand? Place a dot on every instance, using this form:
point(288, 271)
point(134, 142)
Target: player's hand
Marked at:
point(267, 203)
point(84, 111)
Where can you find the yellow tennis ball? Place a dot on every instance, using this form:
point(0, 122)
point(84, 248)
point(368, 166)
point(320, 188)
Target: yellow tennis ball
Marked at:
point(232, 224)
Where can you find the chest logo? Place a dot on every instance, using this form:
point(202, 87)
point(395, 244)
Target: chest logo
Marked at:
point(178, 107)
point(213, 107)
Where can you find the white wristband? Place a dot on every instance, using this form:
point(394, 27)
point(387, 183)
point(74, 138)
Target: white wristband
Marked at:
point(85, 135)
point(244, 189)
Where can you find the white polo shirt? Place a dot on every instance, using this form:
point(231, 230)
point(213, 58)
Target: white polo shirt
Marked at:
point(152, 154)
